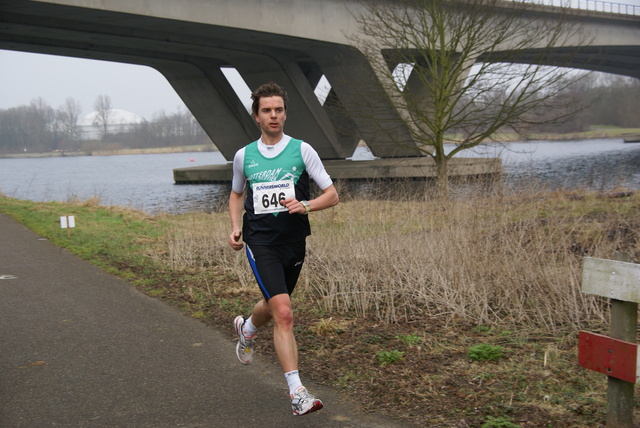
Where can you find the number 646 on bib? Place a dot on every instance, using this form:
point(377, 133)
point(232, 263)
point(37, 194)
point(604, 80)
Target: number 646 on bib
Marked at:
point(267, 196)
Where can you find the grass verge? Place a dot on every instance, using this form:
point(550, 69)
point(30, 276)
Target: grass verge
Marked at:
point(445, 314)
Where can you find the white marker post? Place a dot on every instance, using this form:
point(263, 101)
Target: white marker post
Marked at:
point(67, 222)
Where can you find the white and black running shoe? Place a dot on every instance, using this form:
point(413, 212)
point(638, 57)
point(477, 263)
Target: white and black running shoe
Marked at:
point(303, 402)
point(244, 347)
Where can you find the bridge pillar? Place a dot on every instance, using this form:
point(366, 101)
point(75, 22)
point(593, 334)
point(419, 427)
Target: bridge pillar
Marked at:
point(370, 110)
point(213, 102)
point(306, 119)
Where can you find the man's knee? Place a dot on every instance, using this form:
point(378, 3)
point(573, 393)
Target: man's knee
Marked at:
point(281, 311)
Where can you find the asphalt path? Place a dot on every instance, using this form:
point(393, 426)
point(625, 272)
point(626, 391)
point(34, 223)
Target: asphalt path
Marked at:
point(82, 348)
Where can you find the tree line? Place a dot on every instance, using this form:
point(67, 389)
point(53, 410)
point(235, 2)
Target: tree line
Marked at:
point(612, 100)
point(40, 128)
point(590, 100)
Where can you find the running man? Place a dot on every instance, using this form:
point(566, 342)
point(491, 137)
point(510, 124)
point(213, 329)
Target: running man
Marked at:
point(275, 171)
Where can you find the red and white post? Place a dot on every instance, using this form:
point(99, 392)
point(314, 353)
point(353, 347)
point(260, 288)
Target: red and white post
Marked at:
point(615, 355)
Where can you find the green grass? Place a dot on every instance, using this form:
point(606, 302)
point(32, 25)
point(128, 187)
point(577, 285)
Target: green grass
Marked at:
point(115, 239)
point(486, 352)
point(390, 357)
point(410, 339)
point(499, 422)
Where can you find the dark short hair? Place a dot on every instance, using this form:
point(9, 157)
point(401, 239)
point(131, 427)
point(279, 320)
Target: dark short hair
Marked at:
point(270, 89)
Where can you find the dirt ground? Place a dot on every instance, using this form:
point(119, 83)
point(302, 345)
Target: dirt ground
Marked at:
point(421, 371)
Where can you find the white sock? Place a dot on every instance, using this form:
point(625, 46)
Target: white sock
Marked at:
point(293, 379)
point(248, 329)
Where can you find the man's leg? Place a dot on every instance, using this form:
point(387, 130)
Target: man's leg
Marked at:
point(279, 309)
point(283, 338)
point(302, 402)
point(261, 314)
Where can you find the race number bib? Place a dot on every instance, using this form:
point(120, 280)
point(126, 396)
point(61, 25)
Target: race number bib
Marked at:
point(267, 196)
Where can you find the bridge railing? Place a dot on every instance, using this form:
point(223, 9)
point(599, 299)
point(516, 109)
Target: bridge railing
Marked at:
point(595, 6)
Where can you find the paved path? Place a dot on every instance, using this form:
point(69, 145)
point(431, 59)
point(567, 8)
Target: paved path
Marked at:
point(82, 348)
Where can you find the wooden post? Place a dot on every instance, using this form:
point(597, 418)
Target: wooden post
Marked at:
point(617, 280)
point(624, 319)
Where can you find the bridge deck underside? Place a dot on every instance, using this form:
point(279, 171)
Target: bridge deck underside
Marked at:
point(191, 55)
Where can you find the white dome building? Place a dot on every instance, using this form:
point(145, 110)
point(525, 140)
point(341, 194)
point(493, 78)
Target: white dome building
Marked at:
point(118, 121)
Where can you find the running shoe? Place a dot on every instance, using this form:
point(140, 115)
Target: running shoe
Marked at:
point(244, 347)
point(303, 403)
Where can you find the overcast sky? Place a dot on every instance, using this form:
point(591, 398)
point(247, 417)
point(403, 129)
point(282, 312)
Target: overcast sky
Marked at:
point(141, 90)
point(138, 89)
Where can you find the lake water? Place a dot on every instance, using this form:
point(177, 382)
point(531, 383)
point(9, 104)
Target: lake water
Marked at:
point(146, 181)
point(598, 164)
point(140, 181)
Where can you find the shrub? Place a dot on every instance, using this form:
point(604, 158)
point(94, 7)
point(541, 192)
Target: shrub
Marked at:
point(389, 357)
point(409, 339)
point(499, 422)
point(486, 352)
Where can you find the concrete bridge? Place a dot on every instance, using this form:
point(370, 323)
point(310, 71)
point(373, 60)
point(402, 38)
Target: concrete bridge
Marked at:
point(293, 42)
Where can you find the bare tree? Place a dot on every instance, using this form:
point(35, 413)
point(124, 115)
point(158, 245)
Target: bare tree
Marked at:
point(462, 71)
point(41, 119)
point(616, 101)
point(14, 130)
point(102, 107)
point(68, 115)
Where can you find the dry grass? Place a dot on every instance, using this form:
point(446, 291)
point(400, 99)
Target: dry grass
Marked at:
point(497, 260)
point(483, 261)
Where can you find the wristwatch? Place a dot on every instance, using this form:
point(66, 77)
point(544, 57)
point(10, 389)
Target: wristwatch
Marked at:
point(307, 207)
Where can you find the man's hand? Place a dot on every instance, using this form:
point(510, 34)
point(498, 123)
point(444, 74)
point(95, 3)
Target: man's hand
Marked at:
point(327, 199)
point(234, 240)
point(294, 206)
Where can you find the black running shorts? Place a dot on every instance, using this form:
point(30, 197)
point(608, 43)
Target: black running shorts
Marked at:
point(276, 267)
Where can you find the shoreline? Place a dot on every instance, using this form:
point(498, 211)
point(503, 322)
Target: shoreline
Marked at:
point(117, 152)
point(589, 135)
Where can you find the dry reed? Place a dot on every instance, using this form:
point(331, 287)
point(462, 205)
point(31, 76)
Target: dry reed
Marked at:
point(507, 259)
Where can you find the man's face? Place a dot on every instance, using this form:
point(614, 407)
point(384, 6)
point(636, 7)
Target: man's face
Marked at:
point(271, 116)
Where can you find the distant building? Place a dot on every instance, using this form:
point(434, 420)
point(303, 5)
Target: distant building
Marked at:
point(119, 121)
